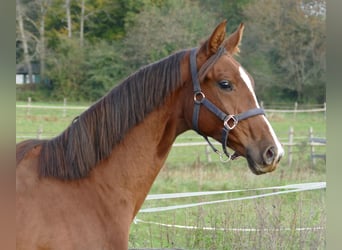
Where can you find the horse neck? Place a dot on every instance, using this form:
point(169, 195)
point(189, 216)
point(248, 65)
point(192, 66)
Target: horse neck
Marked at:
point(135, 162)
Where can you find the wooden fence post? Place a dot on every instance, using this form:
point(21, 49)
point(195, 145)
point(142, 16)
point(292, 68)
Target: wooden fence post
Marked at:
point(289, 158)
point(208, 153)
point(312, 148)
point(28, 110)
point(39, 133)
point(295, 110)
point(64, 104)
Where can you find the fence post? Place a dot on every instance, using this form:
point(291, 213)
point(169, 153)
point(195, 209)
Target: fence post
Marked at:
point(64, 104)
point(28, 110)
point(295, 110)
point(208, 153)
point(312, 148)
point(325, 110)
point(39, 133)
point(289, 158)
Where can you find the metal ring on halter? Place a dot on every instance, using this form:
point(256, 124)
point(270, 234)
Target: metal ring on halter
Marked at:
point(231, 119)
point(222, 158)
point(199, 97)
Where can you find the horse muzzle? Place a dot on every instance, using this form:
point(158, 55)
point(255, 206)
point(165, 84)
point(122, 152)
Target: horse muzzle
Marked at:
point(265, 161)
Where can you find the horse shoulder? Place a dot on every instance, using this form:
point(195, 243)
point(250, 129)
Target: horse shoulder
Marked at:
point(27, 171)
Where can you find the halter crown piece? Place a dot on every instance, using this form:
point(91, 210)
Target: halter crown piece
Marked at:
point(229, 121)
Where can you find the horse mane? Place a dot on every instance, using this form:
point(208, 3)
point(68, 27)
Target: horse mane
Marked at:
point(91, 137)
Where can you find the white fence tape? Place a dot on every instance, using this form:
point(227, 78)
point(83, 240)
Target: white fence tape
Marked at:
point(136, 221)
point(52, 107)
point(313, 185)
point(294, 110)
point(289, 189)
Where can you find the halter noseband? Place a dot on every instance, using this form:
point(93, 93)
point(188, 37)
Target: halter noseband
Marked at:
point(229, 121)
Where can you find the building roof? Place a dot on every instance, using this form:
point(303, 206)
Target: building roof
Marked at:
point(22, 69)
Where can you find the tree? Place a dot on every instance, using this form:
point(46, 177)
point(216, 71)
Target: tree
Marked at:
point(44, 6)
point(293, 43)
point(233, 11)
point(283, 45)
point(105, 19)
point(82, 22)
point(68, 17)
point(65, 70)
point(104, 68)
point(159, 30)
point(31, 24)
point(23, 38)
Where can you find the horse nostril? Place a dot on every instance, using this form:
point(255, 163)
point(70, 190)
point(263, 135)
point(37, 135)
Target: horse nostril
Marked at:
point(269, 155)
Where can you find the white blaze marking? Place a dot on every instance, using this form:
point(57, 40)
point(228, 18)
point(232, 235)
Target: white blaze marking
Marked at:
point(247, 80)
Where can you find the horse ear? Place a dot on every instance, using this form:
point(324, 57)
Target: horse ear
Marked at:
point(211, 45)
point(233, 41)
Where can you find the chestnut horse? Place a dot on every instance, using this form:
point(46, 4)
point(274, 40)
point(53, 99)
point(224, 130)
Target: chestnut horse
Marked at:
point(82, 189)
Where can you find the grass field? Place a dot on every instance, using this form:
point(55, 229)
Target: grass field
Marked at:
point(188, 170)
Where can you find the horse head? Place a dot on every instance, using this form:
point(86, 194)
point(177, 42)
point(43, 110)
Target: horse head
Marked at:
point(224, 104)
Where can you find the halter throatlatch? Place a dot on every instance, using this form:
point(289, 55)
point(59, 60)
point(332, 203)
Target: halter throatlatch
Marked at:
point(229, 121)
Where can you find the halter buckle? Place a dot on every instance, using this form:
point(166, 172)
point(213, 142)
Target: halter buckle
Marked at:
point(199, 97)
point(230, 122)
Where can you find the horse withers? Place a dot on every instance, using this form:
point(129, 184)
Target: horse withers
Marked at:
point(82, 189)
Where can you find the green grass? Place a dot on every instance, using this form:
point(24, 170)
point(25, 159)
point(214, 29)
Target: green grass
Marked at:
point(50, 121)
point(276, 219)
point(295, 210)
point(187, 169)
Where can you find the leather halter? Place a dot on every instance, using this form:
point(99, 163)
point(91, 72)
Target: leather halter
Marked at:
point(229, 121)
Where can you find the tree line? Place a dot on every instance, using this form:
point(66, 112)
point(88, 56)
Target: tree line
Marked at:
point(84, 48)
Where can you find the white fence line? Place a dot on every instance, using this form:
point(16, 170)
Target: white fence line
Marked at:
point(302, 186)
point(295, 110)
point(189, 144)
point(309, 141)
point(193, 144)
point(136, 221)
point(29, 106)
point(289, 189)
point(281, 109)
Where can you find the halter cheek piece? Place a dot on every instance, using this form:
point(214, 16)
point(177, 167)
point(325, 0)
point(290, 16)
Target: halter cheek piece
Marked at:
point(229, 121)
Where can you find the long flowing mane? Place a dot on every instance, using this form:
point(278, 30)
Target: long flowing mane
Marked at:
point(92, 136)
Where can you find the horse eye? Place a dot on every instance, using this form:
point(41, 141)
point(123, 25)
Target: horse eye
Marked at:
point(226, 85)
